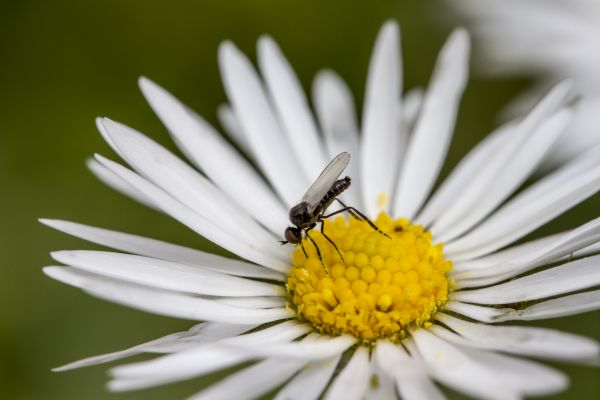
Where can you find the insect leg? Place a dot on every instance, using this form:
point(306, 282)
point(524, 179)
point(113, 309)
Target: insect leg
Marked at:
point(353, 210)
point(303, 250)
point(317, 248)
point(329, 240)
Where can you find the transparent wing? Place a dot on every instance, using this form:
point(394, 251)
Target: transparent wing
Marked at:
point(323, 183)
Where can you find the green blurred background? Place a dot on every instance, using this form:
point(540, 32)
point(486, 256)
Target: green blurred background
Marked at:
point(63, 63)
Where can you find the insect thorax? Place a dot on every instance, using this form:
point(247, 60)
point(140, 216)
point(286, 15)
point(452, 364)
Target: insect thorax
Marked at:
point(299, 214)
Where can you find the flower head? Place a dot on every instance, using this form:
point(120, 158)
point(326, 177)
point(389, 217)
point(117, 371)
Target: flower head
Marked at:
point(379, 310)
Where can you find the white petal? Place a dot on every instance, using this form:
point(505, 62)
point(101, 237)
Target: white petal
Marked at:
point(570, 277)
point(270, 147)
point(560, 307)
point(565, 244)
point(335, 109)
point(111, 180)
point(162, 302)
point(485, 375)
point(412, 104)
point(292, 108)
point(379, 139)
point(318, 350)
point(464, 268)
point(429, 142)
point(463, 174)
point(251, 382)
point(186, 185)
point(523, 162)
point(410, 375)
point(496, 166)
point(164, 274)
point(232, 126)
point(202, 333)
point(478, 313)
point(530, 378)
point(196, 222)
point(199, 360)
point(530, 341)
point(382, 387)
point(163, 250)
point(207, 149)
point(310, 382)
point(254, 302)
point(511, 223)
point(352, 382)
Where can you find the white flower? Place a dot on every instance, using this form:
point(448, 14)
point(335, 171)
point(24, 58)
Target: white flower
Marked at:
point(549, 39)
point(388, 319)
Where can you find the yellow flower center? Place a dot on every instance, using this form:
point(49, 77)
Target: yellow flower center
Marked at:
point(382, 287)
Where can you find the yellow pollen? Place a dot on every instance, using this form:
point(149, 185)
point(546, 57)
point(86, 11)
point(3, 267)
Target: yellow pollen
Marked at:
point(383, 286)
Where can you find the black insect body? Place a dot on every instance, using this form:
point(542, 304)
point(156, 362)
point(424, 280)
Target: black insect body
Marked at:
point(311, 209)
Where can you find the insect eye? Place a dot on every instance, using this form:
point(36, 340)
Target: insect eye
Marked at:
point(292, 235)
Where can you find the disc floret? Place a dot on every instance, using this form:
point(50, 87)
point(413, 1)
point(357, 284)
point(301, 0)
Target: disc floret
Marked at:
point(383, 287)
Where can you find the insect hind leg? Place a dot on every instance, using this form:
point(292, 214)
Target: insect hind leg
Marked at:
point(356, 214)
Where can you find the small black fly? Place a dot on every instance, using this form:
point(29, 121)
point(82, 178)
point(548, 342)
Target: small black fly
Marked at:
point(311, 209)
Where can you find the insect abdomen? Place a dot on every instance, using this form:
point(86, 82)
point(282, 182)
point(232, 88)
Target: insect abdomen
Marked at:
point(336, 189)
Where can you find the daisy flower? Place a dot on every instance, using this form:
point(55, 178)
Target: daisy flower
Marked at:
point(400, 311)
point(546, 39)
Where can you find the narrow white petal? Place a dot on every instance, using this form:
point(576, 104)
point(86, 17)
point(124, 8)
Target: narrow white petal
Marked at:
point(334, 106)
point(162, 302)
point(490, 261)
point(189, 365)
point(560, 307)
point(111, 180)
point(254, 302)
point(164, 274)
point(270, 147)
point(352, 382)
point(570, 277)
point(318, 350)
point(522, 163)
point(186, 185)
point(485, 375)
point(478, 313)
point(292, 107)
point(221, 163)
point(310, 382)
point(412, 103)
point(411, 376)
point(232, 127)
point(564, 245)
point(511, 223)
point(196, 222)
point(429, 142)
point(587, 251)
point(166, 251)
point(530, 341)
point(251, 382)
point(379, 139)
point(462, 175)
point(382, 387)
point(495, 167)
point(206, 332)
point(198, 361)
